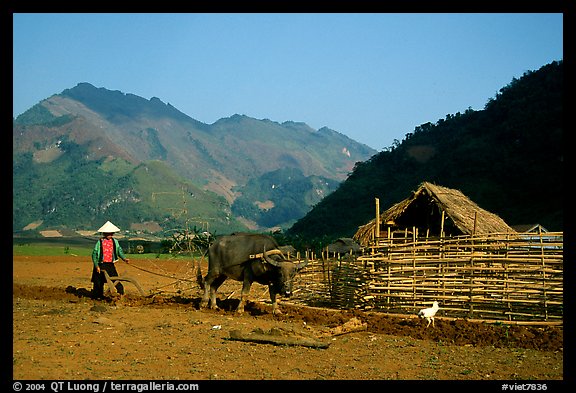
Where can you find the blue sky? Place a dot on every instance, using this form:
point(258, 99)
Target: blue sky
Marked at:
point(372, 77)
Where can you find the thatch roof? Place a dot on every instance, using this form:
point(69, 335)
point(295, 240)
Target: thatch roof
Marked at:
point(344, 245)
point(423, 210)
point(529, 228)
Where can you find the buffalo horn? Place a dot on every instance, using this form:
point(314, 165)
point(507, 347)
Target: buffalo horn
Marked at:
point(297, 266)
point(270, 260)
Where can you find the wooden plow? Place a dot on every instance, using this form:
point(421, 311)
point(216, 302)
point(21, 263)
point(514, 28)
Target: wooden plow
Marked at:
point(113, 280)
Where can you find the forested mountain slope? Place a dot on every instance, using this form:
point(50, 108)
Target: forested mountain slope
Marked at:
point(508, 158)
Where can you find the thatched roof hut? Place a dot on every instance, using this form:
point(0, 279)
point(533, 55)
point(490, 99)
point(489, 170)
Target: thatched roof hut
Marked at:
point(344, 245)
point(424, 210)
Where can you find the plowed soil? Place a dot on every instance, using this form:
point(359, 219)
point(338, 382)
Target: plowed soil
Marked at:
point(60, 332)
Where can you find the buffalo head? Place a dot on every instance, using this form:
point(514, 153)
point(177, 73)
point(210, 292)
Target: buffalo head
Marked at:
point(287, 269)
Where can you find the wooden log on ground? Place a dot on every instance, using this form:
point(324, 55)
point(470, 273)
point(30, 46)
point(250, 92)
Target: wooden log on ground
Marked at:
point(261, 338)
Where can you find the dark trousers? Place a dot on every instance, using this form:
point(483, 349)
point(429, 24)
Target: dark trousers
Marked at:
point(99, 280)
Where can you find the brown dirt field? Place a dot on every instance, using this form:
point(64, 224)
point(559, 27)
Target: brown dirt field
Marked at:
point(61, 333)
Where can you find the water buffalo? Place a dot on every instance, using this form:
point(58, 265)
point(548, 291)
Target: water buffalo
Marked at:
point(249, 258)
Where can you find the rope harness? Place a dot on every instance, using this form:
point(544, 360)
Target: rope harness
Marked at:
point(251, 256)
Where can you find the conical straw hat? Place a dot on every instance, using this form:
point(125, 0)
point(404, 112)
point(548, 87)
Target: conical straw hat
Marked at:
point(108, 228)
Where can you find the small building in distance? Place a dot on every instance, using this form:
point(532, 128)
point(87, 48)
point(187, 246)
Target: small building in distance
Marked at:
point(344, 245)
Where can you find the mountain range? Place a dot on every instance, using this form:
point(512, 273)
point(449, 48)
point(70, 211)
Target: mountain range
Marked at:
point(88, 154)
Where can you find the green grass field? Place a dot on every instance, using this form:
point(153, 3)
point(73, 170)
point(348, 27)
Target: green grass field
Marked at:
point(50, 250)
point(31, 249)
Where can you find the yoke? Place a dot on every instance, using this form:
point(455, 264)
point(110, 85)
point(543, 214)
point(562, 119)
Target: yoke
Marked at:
point(271, 252)
point(112, 281)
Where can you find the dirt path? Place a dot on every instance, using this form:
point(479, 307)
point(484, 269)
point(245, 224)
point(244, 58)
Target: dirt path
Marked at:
point(60, 332)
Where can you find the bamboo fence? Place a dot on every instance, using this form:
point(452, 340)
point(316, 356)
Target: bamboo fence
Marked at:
point(504, 277)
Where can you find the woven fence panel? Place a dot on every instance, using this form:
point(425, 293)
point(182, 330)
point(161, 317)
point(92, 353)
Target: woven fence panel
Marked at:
point(491, 277)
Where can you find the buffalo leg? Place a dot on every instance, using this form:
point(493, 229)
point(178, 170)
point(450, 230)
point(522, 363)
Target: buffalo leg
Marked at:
point(214, 288)
point(274, 299)
point(209, 291)
point(244, 295)
point(206, 296)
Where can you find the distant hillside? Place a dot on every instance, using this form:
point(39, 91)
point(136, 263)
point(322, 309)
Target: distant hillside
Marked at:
point(276, 197)
point(64, 147)
point(69, 195)
point(508, 158)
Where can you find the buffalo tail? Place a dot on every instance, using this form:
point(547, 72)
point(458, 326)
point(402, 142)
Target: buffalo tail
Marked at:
point(199, 277)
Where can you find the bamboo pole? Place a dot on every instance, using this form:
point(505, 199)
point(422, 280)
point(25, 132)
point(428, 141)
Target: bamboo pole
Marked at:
point(471, 307)
point(377, 221)
point(543, 274)
point(442, 224)
point(414, 264)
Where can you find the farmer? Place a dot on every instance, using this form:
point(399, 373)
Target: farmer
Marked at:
point(104, 256)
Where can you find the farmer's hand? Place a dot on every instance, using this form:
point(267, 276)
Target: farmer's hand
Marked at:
point(127, 260)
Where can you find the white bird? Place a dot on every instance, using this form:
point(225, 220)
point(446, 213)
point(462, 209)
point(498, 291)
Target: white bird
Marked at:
point(429, 313)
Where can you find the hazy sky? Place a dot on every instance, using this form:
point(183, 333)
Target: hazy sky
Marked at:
point(372, 77)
